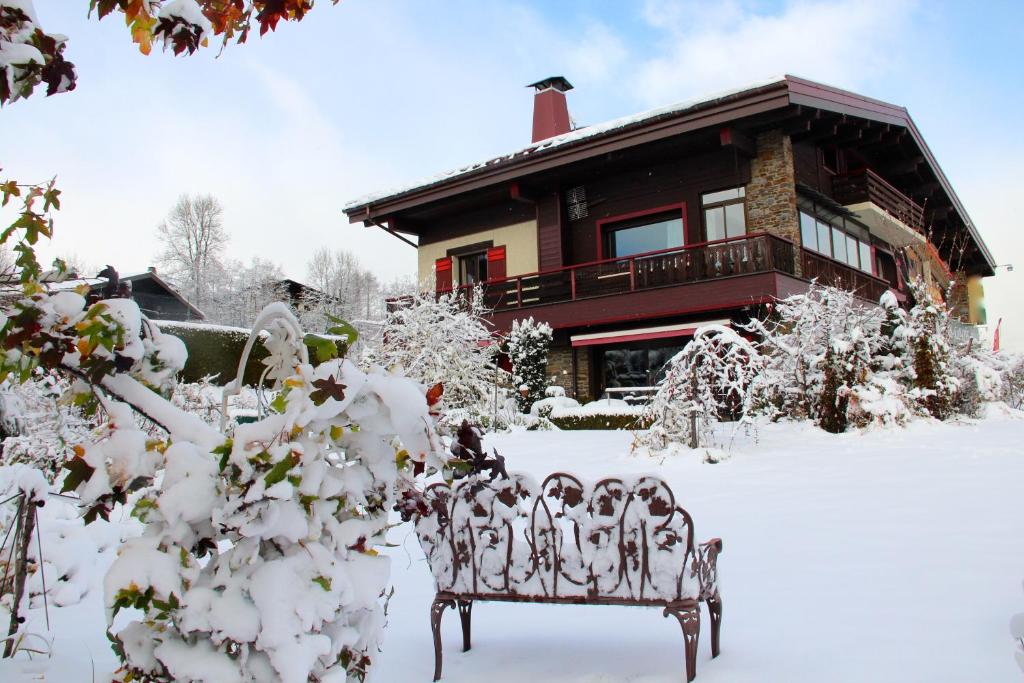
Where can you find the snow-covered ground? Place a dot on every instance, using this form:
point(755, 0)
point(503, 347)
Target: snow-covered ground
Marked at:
point(892, 555)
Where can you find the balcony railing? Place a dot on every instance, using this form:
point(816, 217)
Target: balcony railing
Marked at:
point(827, 271)
point(867, 186)
point(747, 255)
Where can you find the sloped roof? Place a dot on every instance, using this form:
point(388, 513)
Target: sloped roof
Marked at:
point(655, 124)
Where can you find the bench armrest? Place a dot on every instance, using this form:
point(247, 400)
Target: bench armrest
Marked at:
point(705, 566)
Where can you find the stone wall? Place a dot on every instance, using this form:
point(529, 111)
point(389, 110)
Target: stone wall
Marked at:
point(771, 192)
point(583, 374)
point(560, 371)
point(560, 368)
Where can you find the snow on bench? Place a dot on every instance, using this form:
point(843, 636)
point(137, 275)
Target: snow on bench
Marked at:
point(616, 542)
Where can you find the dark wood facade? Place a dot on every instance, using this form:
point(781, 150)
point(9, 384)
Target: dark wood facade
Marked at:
point(835, 149)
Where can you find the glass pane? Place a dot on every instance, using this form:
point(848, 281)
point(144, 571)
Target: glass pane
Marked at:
point(865, 257)
point(735, 220)
point(723, 195)
point(824, 242)
point(714, 219)
point(838, 245)
point(808, 233)
point(663, 234)
point(852, 251)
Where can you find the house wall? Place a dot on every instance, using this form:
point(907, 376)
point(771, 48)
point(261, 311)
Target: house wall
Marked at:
point(654, 185)
point(519, 240)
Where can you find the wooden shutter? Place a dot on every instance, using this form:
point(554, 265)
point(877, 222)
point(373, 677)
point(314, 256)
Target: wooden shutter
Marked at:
point(496, 263)
point(443, 274)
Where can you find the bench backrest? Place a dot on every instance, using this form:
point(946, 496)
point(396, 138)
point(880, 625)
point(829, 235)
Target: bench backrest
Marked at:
point(622, 539)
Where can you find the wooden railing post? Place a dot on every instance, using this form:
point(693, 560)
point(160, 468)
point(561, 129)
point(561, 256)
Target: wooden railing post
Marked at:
point(632, 274)
point(572, 284)
point(519, 292)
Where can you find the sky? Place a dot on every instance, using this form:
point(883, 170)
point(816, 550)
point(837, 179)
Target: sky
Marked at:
point(369, 94)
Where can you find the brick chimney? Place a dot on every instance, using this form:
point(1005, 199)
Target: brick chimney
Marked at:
point(550, 111)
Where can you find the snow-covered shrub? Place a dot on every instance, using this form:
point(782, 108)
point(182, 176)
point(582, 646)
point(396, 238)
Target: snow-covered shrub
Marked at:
point(205, 399)
point(40, 422)
point(258, 560)
point(710, 379)
point(554, 390)
point(442, 339)
point(28, 56)
point(528, 343)
point(545, 406)
point(820, 349)
point(601, 414)
point(934, 381)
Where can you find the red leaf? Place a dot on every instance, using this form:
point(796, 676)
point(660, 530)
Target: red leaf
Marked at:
point(434, 394)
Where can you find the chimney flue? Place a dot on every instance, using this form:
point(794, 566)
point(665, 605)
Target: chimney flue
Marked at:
point(550, 111)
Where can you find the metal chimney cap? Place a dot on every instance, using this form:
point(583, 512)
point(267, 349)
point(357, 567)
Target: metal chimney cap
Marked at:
point(559, 83)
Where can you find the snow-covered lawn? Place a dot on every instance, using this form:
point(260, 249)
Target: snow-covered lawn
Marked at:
point(890, 555)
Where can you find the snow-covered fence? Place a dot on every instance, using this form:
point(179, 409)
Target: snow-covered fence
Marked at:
point(616, 542)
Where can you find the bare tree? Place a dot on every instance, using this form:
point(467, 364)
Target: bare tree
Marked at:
point(350, 288)
point(193, 238)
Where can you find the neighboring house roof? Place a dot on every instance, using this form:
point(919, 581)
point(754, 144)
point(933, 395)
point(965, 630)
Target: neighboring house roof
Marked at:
point(161, 283)
point(785, 92)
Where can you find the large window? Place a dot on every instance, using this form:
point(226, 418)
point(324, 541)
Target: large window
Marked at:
point(725, 214)
point(635, 365)
point(835, 242)
point(651, 232)
point(473, 268)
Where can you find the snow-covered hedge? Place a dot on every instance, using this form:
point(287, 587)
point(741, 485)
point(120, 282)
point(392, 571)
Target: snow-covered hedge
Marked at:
point(214, 351)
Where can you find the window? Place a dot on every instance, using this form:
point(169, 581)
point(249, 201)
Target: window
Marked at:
point(635, 365)
point(833, 241)
point(865, 257)
point(724, 214)
point(473, 268)
point(652, 232)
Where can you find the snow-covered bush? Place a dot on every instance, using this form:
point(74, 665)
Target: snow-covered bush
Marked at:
point(710, 379)
point(40, 422)
point(601, 414)
point(934, 381)
point(442, 339)
point(257, 561)
point(28, 56)
point(528, 344)
point(823, 351)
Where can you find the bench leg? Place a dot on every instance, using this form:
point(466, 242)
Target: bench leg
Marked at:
point(715, 612)
point(688, 614)
point(466, 616)
point(436, 612)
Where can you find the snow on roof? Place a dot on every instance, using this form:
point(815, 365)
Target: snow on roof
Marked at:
point(560, 140)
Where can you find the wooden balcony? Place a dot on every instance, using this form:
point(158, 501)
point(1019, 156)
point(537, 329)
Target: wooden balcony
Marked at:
point(721, 275)
point(828, 271)
point(747, 255)
point(865, 185)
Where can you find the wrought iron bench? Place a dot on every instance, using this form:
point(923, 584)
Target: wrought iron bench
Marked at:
point(618, 542)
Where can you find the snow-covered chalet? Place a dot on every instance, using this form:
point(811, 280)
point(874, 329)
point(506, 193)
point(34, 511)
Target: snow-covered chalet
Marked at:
point(628, 235)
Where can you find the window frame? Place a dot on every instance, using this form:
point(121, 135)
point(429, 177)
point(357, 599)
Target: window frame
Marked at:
point(608, 225)
point(722, 204)
point(833, 228)
point(480, 256)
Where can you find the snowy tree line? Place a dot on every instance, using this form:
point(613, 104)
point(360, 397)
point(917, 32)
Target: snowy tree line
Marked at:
point(195, 258)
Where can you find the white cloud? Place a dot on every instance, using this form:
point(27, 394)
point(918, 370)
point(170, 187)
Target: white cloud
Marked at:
point(709, 46)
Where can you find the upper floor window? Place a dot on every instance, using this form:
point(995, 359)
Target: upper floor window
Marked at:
point(650, 232)
point(831, 240)
point(725, 214)
point(473, 268)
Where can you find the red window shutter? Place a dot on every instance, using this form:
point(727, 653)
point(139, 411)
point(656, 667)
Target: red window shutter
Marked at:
point(443, 274)
point(496, 263)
